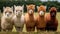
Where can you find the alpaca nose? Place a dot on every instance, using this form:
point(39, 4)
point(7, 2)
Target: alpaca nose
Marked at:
point(41, 13)
point(18, 11)
point(8, 14)
point(30, 11)
point(53, 14)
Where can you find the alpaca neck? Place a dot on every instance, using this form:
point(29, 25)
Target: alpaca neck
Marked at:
point(31, 17)
point(8, 20)
point(53, 19)
point(42, 17)
point(18, 16)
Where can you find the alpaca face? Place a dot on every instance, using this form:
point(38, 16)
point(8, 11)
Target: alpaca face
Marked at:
point(30, 9)
point(53, 12)
point(8, 12)
point(41, 10)
point(18, 10)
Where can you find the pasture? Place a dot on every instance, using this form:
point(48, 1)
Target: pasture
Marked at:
point(45, 32)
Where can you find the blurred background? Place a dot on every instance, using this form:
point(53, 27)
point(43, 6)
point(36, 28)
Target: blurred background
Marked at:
point(47, 3)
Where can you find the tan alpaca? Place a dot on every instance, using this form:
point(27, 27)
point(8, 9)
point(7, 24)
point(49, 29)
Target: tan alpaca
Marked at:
point(6, 20)
point(40, 20)
point(30, 18)
point(18, 18)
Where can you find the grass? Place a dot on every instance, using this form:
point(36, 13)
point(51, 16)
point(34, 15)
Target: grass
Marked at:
point(58, 30)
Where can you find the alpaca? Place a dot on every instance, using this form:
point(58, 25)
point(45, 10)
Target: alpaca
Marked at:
point(40, 19)
point(51, 20)
point(6, 19)
point(18, 17)
point(30, 18)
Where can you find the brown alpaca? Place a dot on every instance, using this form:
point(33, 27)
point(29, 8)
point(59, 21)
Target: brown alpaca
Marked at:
point(40, 19)
point(30, 18)
point(51, 20)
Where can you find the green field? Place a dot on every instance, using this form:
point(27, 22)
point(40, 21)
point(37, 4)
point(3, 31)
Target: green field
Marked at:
point(58, 30)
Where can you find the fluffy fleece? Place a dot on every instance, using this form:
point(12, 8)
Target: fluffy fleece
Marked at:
point(6, 20)
point(18, 18)
point(51, 20)
point(30, 18)
point(40, 19)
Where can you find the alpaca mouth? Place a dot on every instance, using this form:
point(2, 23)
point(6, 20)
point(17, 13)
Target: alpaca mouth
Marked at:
point(30, 11)
point(7, 15)
point(53, 14)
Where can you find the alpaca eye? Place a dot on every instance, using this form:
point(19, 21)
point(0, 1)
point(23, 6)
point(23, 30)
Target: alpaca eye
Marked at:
point(10, 12)
point(20, 10)
point(5, 12)
point(16, 10)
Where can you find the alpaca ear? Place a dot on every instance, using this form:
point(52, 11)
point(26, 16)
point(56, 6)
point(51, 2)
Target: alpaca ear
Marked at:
point(34, 6)
point(3, 8)
point(26, 5)
point(14, 6)
point(37, 7)
point(45, 7)
point(23, 6)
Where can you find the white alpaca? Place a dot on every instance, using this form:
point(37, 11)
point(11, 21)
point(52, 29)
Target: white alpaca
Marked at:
point(18, 18)
point(6, 20)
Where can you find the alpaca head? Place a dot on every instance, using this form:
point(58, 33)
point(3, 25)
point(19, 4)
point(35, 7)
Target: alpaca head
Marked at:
point(41, 10)
point(30, 9)
point(53, 11)
point(8, 12)
point(18, 10)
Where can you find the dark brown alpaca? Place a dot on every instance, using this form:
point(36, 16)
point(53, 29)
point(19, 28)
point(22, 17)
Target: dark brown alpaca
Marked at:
point(51, 20)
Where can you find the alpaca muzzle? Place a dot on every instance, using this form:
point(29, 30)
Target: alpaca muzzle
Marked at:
point(30, 11)
point(41, 13)
point(53, 15)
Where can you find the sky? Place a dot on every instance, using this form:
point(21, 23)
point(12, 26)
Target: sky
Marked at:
point(51, 0)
